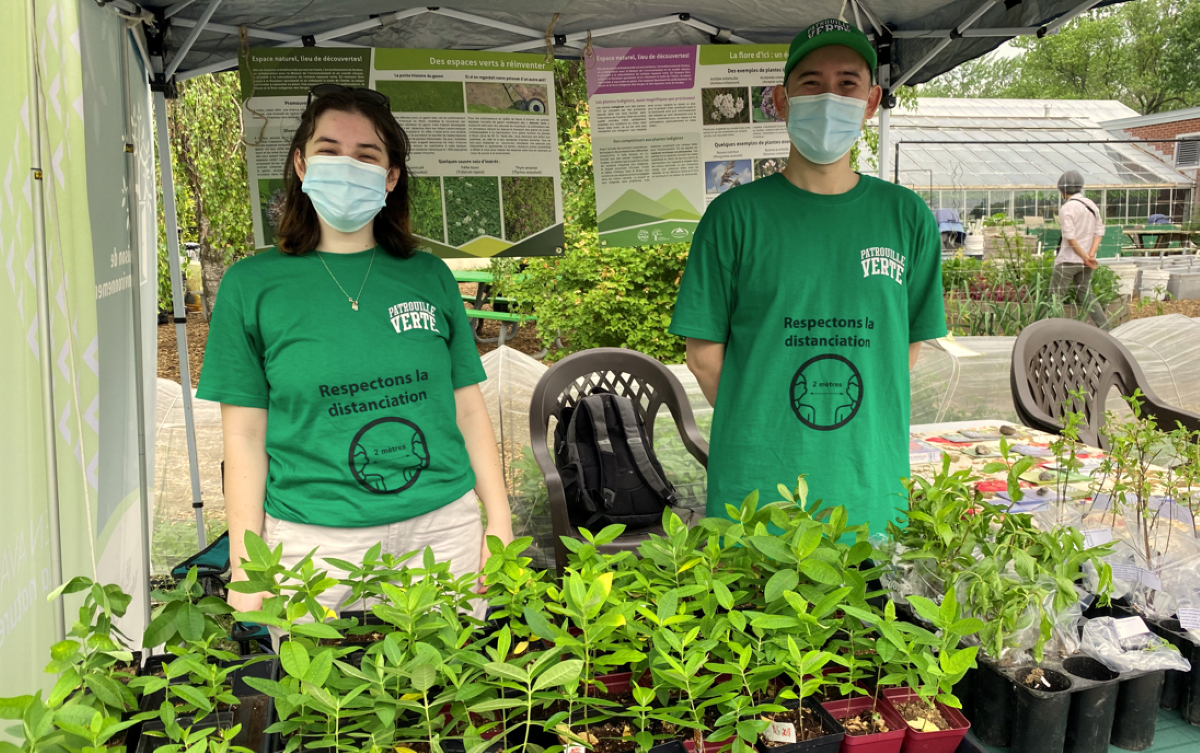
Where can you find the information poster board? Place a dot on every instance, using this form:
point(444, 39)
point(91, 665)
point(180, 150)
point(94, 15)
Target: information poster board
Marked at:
point(675, 127)
point(481, 127)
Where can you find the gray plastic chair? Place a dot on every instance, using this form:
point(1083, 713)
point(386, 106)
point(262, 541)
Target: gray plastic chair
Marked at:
point(645, 381)
point(1054, 357)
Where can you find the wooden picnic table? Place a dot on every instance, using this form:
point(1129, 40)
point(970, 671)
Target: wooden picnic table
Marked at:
point(1162, 239)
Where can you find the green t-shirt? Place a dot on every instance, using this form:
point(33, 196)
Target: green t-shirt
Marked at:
point(817, 299)
point(361, 417)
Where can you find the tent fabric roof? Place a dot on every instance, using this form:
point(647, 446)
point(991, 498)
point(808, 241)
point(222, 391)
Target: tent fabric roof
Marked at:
point(979, 162)
point(757, 21)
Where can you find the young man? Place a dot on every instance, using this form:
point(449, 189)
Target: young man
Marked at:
point(805, 300)
point(1082, 231)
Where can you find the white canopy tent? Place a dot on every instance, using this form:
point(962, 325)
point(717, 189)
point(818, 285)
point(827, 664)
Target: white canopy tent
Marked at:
point(916, 41)
point(164, 42)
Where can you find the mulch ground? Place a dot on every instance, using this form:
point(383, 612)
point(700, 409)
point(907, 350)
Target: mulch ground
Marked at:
point(1143, 309)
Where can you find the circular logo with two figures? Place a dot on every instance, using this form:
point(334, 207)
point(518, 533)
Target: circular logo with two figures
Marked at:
point(388, 455)
point(827, 392)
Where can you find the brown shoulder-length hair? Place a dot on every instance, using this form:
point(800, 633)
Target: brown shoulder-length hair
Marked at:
point(299, 230)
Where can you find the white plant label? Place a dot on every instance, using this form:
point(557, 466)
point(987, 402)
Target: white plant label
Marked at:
point(1129, 627)
point(1151, 580)
point(781, 732)
point(575, 749)
point(1097, 536)
point(1189, 619)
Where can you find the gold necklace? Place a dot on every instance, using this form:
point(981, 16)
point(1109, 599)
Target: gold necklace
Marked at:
point(353, 301)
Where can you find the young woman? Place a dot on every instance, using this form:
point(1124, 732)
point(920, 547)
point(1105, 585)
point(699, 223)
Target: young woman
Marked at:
point(346, 370)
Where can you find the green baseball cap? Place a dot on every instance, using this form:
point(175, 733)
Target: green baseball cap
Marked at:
point(827, 32)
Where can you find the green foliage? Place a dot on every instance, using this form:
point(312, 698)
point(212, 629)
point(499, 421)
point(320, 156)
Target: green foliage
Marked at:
point(528, 205)
point(1143, 54)
point(472, 208)
point(209, 166)
point(425, 207)
point(1005, 294)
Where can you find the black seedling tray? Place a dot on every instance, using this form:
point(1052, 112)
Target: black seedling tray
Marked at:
point(1181, 690)
point(1092, 707)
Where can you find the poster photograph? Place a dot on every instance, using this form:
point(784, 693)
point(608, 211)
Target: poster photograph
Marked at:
point(484, 167)
point(675, 127)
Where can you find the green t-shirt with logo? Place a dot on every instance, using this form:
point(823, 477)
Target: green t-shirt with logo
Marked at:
point(361, 417)
point(817, 299)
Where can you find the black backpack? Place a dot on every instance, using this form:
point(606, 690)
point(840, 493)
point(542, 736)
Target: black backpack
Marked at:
point(608, 469)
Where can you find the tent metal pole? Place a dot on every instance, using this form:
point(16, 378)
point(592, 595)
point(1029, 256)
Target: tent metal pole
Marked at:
point(323, 37)
point(223, 29)
point(1012, 31)
point(176, 7)
point(45, 353)
point(970, 21)
point(139, 379)
point(1054, 25)
point(710, 29)
point(870, 16)
point(885, 135)
point(472, 18)
point(180, 312)
point(186, 47)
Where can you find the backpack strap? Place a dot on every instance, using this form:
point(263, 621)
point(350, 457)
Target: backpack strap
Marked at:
point(629, 422)
point(573, 454)
point(1085, 206)
point(608, 458)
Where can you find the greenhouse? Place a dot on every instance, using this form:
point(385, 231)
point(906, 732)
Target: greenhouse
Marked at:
point(982, 157)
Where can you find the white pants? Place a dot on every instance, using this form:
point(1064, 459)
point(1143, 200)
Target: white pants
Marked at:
point(454, 532)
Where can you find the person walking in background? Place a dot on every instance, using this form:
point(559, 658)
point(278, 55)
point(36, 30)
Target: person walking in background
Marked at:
point(1082, 231)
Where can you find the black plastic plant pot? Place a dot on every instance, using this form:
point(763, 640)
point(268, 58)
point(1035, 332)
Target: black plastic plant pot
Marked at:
point(1089, 724)
point(672, 747)
point(993, 707)
point(265, 669)
point(830, 742)
point(1040, 716)
point(1174, 681)
point(458, 746)
point(255, 713)
point(1137, 712)
point(148, 742)
point(964, 691)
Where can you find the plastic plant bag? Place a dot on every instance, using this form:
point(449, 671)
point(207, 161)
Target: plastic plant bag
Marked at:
point(1109, 641)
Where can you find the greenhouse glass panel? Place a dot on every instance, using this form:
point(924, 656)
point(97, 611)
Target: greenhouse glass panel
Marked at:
point(1048, 202)
point(1116, 205)
point(1160, 202)
point(1025, 204)
point(975, 205)
point(1139, 206)
point(1000, 202)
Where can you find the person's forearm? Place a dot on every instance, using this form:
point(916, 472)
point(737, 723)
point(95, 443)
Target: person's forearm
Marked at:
point(914, 352)
point(705, 360)
point(245, 492)
point(480, 441)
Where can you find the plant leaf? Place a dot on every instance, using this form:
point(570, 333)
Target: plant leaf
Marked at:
point(559, 674)
point(294, 658)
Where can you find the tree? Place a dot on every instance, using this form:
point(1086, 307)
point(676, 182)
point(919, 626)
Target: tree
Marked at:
point(209, 161)
point(1143, 54)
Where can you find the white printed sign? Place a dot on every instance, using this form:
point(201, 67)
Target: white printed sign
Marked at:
point(1189, 619)
point(781, 732)
point(1130, 626)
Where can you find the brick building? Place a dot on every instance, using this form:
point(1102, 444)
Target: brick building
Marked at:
point(1183, 156)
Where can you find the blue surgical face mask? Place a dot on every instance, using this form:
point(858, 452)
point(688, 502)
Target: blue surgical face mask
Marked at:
point(823, 127)
point(346, 193)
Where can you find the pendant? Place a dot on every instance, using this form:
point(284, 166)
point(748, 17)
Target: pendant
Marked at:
point(354, 304)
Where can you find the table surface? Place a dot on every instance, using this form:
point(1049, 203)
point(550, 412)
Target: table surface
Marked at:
point(1172, 733)
point(473, 275)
